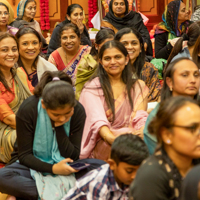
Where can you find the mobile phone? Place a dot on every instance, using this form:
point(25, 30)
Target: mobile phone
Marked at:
point(79, 166)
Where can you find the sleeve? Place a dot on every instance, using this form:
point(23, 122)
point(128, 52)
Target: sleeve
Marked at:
point(74, 194)
point(162, 49)
point(70, 147)
point(105, 24)
point(153, 179)
point(54, 41)
point(5, 109)
point(52, 60)
point(25, 128)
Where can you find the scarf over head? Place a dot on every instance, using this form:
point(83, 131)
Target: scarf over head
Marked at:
point(10, 10)
point(130, 19)
point(20, 8)
point(170, 20)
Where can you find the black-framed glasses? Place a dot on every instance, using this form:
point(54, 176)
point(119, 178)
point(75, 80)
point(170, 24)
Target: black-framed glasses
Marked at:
point(194, 129)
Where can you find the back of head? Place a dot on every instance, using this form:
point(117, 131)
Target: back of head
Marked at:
point(130, 149)
point(56, 90)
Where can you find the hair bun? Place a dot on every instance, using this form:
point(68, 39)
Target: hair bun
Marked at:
point(185, 36)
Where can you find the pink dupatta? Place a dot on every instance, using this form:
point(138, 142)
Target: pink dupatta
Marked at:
point(98, 115)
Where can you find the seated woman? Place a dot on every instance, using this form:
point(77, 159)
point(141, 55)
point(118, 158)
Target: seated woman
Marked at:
point(7, 16)
point(175, 22)
point(26, 11)
point(115, 103)
point(89, 63)
point(14, 89)
point(181, 78)
point(188, 45)
point(75, 16)
point(119, 17)
point(30, 43)
point(133, 42)
point(49, 131)
point(67, 57)
point(176, 125)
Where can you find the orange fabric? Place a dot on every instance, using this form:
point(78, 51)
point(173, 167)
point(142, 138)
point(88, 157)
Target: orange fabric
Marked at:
point(6, 97)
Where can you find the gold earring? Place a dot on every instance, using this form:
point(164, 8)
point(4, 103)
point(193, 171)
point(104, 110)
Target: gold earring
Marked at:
point(171, 89)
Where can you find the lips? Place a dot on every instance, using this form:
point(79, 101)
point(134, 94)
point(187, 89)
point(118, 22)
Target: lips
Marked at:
point(31, 52)
point(10, 59)
point(192, 88)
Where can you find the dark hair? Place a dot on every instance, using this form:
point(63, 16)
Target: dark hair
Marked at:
point(101, 36)
point(2, 4)
point(55, 94)
point(192, 35)
point(130, 149)
point(169, 72)
point(72, 7)
point(19, 34)
point(196, 51)
point(166, 114)
point(104, 79)
point(12, 70)
point(140, 60)
point(72, 26)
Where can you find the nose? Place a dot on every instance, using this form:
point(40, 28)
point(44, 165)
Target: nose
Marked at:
point(62, 118)
point(112, 61)
point(30, 46)
point(193, 79)
point(10, 53)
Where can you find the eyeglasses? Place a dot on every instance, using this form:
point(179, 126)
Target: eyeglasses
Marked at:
point(194, 129)
point(4, 13)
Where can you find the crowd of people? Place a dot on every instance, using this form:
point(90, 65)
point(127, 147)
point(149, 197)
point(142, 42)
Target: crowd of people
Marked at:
point(77, 122)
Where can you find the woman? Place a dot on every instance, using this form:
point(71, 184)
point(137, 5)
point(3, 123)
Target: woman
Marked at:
point(114, 102)
point(175, 22)
point(88, 64)
point(6, 17)
point(179, 79)
point(75, 15)
point(133, 42)
point(14, 89)
point(191, 49)
point(67, 57)
point(30, 44)
point(119, 17)
point(177, 127)
point(51, 110)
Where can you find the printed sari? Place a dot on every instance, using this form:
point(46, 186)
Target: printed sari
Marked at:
point(98, 115)
point(7, 133)
point(71, 68)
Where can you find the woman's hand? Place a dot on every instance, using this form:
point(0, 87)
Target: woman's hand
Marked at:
point(80, 25)
point(62, 168)
point(10, 121)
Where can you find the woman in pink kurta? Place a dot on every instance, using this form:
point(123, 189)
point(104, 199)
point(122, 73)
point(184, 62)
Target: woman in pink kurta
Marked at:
point(113, 85)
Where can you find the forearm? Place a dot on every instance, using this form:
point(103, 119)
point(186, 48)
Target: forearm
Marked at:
point(10, 120)
point(106, 134)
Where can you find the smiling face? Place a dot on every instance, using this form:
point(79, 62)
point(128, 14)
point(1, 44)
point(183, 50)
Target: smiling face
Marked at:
point(8, 53)
point(76, 15)
point(119, 8)
point(4, 16)
point(183, 141)
point(113, 62)
point(185, 80)
point(29, 46)
point(132, 44)
point(183, 14)
point(70, 42)
point(30, 11)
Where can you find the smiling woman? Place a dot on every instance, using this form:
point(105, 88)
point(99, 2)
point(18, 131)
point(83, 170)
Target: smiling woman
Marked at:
point(67, 57)
point(14, 89)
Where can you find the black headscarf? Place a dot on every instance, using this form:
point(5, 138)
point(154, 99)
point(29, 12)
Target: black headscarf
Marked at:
point(130, 19)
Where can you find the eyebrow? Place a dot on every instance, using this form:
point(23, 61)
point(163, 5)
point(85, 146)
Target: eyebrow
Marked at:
point(129, 40)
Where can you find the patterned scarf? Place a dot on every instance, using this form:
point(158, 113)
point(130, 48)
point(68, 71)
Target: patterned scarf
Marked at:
point(20, 9)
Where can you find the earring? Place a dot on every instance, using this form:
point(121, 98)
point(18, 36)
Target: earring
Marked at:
point(171, 89)
point(168, 141)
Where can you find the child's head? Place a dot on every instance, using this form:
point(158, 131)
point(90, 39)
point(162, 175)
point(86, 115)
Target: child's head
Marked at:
point(127, 153)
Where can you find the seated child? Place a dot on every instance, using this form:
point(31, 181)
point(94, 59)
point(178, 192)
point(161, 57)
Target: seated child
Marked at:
point(112, 180)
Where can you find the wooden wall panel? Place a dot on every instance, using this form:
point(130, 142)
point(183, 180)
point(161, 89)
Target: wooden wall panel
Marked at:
point(148, 7)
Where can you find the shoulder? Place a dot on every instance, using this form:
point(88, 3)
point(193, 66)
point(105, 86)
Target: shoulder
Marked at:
point(150, 67)
point(139, 84)
point(78, 108)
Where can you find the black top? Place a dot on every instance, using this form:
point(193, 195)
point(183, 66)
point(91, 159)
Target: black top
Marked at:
point(55, 38)
point(26, 120)
point(162, 49)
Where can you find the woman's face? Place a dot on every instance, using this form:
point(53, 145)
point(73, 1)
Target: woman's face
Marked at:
point(60, 115)
point(186, 79)
point(132, 44)
point(184, 135)
point(29, 46)
point(8, 53)
point(76, 15)
point(119, 8)
point(30, 10)
point(113, 62)
point(4, 16)
point(183, 14)
point(70, 41)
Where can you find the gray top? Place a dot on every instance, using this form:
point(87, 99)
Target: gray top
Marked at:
point(184, 53)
